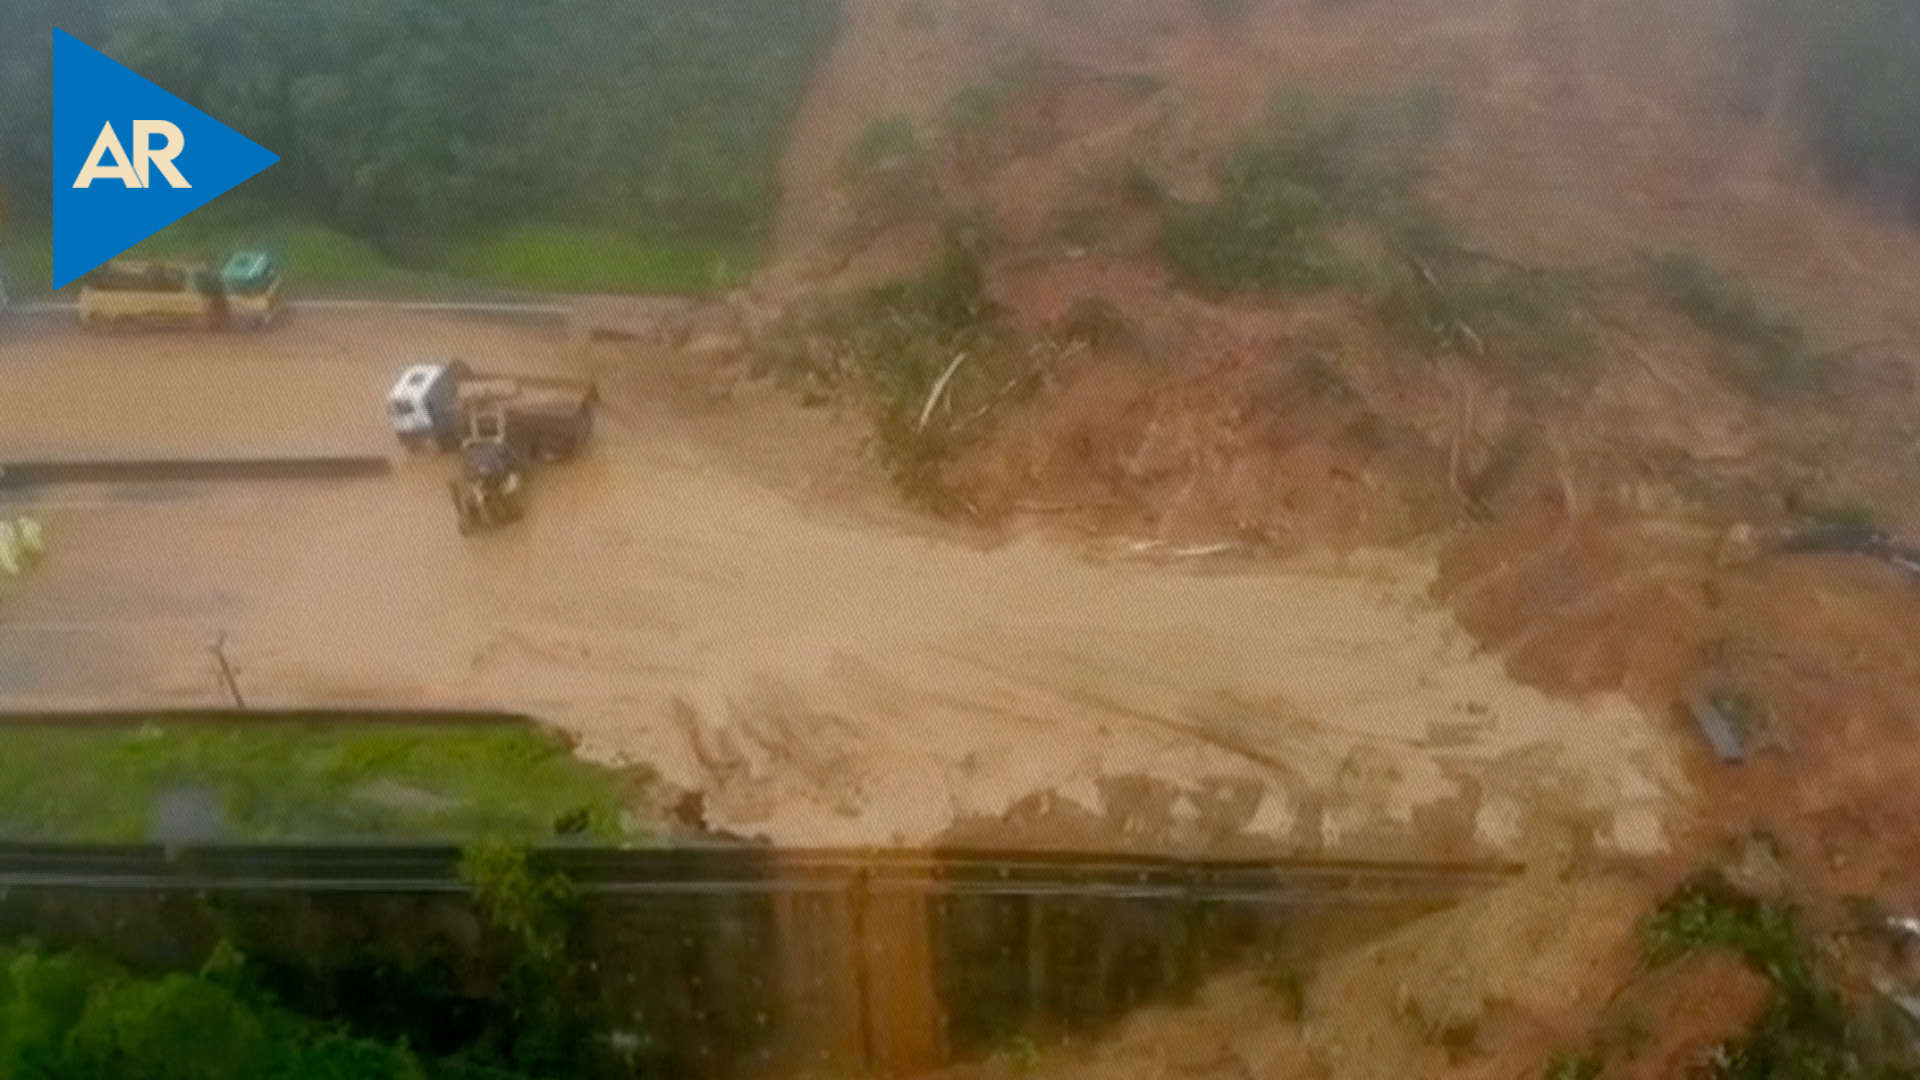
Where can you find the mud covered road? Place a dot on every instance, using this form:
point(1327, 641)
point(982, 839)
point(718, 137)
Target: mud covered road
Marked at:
point(719, 594)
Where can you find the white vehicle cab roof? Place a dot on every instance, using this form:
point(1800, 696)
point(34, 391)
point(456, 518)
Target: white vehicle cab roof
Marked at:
point(414, 381)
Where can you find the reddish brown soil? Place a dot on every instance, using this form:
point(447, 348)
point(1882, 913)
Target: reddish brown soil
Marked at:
point(1578, 131)
point(1621, 553)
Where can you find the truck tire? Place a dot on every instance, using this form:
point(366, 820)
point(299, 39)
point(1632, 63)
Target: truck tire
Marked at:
point(463, 510)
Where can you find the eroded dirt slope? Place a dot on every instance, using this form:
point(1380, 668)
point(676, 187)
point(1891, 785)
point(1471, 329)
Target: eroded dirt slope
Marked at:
point(1497, 988)
point(1619, 553)
point(1577, 129)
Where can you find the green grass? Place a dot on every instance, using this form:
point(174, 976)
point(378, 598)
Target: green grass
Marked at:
point(523, 257)
point(27, 263)
point(304, 780)
point(561, 259)
point(313, 255)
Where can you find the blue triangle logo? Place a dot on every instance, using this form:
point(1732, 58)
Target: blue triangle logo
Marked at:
point(129, 159)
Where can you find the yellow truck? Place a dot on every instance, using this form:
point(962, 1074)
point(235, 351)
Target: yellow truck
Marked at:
point(244, 292)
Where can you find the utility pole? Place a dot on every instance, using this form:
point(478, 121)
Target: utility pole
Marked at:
point(218, 647)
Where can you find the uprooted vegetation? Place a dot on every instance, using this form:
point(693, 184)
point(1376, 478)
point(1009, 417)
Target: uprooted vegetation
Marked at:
point(1809, 1028)
point(929, 356)
point(889, 174)
point(1320, 209)
point(889, 140)
point(1326, 199)
point(1305, 349)
point(1290, 195)
point(1769, 354)
point(1524, 320)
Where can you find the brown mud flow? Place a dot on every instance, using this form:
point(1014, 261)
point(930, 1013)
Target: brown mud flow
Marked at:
point(732, 961)
point(721, 592)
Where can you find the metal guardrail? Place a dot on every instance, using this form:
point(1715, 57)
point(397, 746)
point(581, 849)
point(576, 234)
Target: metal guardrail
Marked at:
point(513, 309)
point(743, 960)
point(135, 719)
point(15, 474)
point(744, 870)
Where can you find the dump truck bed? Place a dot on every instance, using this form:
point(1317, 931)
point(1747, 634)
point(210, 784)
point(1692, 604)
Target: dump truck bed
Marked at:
point(519, 393)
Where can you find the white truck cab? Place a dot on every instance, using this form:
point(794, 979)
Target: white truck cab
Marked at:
point(435, 404)
point(423, 406)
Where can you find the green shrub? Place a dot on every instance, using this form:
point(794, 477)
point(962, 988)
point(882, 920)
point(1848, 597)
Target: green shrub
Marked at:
point(64, 1016)
point(175, 1026)
point(1712, 299)
point(977, 109)
point(518, 898)
point(1808, 1030)
point(1528, 321)
point(899, 339)
point(1772, 357)
point(1269, 240)
point(949, 300)
point(1283, 192)
point(1268, 229)
point(1707, 914)
point(890, 140)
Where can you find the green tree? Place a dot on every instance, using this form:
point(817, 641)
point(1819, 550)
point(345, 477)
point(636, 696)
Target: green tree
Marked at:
point(67, 1016)
point(419, 120)
point(42, 998)
point(180, 1027)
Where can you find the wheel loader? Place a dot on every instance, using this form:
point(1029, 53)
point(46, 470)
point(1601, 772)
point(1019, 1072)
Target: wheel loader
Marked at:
point(491, 488)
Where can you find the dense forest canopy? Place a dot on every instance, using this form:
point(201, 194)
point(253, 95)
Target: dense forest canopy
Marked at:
point(71, 1016)
point(421, 119)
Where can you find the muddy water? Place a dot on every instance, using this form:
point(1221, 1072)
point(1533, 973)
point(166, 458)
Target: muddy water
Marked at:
point(825, 683)
point(830, 678)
